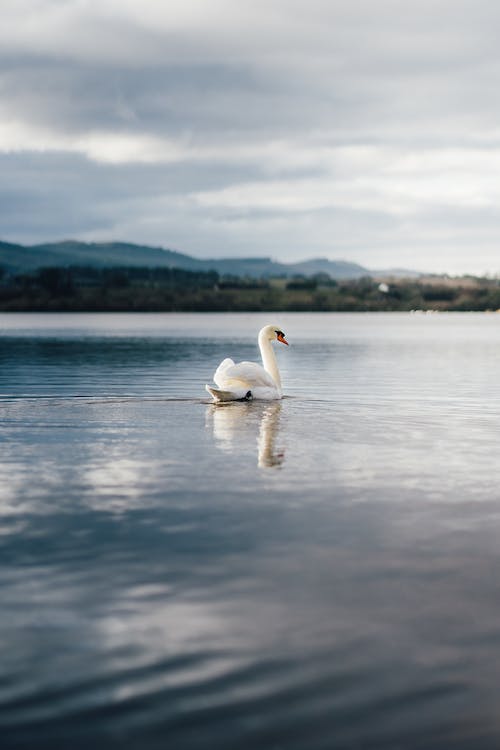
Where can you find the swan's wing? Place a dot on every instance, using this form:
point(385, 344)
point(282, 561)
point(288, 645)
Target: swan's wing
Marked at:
point(250, 375)
point(220, 371)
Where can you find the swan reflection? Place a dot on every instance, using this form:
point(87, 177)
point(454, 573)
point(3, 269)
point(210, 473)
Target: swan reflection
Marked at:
point(237, 426)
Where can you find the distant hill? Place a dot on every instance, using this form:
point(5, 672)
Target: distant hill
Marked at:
point(102, 254)
point(20, 258)
point(338, 269)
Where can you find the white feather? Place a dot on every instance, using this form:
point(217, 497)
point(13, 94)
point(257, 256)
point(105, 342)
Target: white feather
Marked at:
point(237, 381)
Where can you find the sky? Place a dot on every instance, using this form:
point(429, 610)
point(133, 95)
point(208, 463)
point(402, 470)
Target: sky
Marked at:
point(362, 130)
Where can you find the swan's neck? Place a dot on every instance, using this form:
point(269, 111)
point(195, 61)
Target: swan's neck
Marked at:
point(269, 359)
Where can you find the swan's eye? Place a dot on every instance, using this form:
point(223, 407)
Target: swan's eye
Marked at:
point(281, 337)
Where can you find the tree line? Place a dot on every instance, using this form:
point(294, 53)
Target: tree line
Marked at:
point(124, 289)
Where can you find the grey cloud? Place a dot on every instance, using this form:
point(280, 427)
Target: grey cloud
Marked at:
point(374, 119)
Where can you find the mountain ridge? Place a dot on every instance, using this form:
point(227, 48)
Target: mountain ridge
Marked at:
point(18, 258)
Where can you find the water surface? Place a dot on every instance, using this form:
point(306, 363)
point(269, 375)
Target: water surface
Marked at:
point(320, 572)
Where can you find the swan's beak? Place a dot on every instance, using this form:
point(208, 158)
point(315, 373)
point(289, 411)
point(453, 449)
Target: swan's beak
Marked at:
point(282, 338)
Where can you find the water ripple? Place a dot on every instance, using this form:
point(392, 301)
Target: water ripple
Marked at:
point(308, 574)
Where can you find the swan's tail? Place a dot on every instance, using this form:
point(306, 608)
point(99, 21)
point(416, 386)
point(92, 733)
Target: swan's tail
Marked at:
point(219, 395)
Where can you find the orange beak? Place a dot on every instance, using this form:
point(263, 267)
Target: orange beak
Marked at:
point(281, 338)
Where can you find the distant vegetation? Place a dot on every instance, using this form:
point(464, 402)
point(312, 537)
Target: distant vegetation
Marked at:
point(177, 290)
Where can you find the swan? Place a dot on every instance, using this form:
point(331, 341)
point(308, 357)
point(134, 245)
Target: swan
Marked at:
point(249, 380)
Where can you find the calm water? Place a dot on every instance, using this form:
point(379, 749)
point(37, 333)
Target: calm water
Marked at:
point(318, 573)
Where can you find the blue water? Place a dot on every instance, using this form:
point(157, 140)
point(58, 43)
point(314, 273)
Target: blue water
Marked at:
point(315, 573)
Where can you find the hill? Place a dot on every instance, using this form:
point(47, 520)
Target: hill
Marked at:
point(101, 255)
point(16, 258)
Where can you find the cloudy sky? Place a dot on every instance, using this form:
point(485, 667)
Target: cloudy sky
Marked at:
point(367, 130)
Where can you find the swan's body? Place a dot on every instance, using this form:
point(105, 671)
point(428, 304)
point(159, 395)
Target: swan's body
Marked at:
point(249, 380)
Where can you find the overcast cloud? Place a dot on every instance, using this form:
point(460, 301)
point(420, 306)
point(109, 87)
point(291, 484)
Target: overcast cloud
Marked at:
point(366, 130)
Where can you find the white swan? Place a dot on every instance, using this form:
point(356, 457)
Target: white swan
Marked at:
point(249, 380)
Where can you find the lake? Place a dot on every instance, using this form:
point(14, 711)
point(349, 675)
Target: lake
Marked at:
point(320, 572)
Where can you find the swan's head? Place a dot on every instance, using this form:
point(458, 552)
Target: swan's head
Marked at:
point(273, 332)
